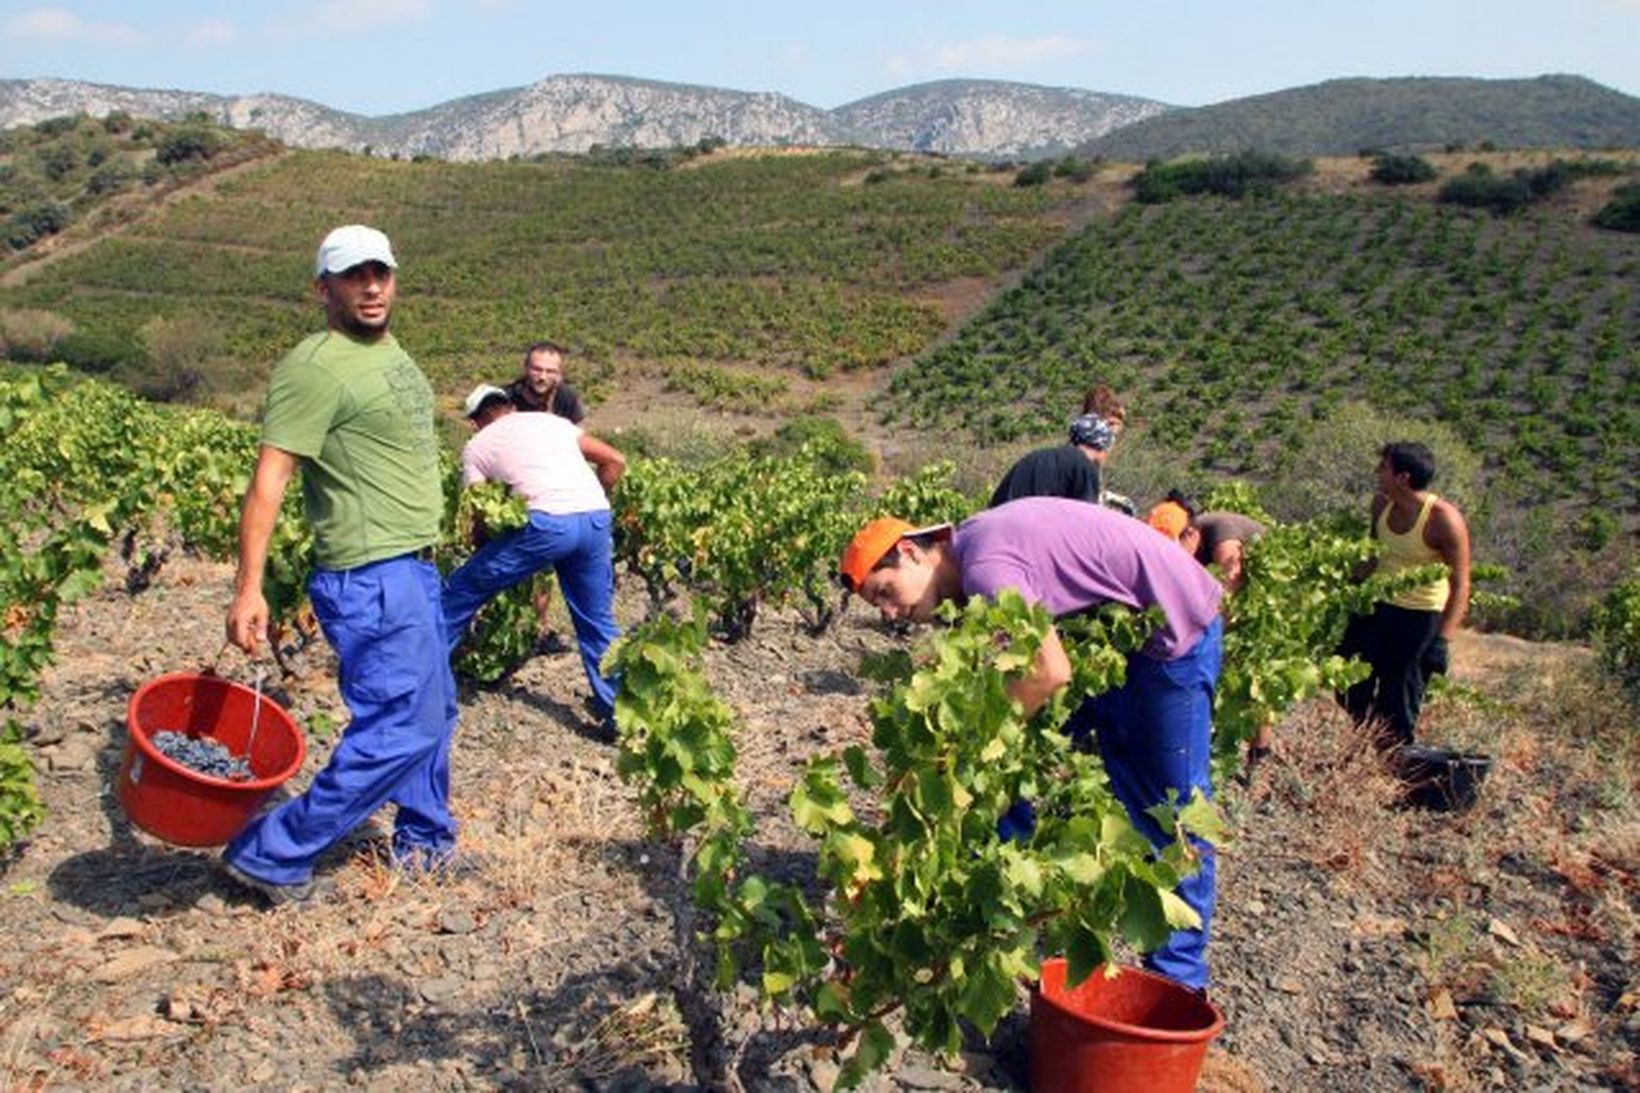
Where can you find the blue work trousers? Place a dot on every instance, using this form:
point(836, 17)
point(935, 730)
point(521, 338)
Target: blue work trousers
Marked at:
point(578, 549)
point(1155, 735)
point(383, 621)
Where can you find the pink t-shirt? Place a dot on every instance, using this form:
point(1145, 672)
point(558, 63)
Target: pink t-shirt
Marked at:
point(1071, 555)
point(539, 456)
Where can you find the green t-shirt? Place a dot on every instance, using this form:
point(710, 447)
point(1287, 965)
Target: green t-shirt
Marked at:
point(360, 416)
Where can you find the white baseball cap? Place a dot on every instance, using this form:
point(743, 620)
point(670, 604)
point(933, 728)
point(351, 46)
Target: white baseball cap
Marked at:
point(481, 394)
point(353, 245)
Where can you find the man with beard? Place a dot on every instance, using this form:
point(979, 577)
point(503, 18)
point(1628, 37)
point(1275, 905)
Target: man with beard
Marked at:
point(351, 409)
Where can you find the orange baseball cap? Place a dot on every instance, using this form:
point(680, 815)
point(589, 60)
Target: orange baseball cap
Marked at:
point(872, 543)
point(868, 547)
point(1169, 518)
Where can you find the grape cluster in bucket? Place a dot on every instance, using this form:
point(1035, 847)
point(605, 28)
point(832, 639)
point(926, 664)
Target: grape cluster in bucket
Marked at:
point(202, 755)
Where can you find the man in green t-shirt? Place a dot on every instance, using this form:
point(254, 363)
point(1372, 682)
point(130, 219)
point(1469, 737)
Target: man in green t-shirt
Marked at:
point(352, 410)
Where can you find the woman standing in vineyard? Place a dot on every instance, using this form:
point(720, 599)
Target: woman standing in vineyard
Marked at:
point(1153, 733)
point(1074, 470)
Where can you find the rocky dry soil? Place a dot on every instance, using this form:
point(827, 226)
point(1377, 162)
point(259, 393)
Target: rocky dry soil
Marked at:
point(1361, 946)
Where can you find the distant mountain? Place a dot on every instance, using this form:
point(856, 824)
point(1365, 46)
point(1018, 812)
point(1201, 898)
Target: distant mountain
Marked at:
point(1341, 117)
point(991, 117)
point(987, 118)
point(573, 113)
point(25, 102)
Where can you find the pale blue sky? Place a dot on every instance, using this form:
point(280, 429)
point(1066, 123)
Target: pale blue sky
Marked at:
point(388, 56)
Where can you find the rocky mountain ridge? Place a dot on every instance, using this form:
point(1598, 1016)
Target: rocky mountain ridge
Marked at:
point(982, 118)
point(573, 113)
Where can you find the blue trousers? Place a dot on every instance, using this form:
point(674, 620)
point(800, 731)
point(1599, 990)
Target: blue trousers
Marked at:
point(384, 623)
point(579, 550)
point(1155, 735)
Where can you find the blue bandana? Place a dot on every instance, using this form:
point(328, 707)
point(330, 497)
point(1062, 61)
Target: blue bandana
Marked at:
point(1093, 431)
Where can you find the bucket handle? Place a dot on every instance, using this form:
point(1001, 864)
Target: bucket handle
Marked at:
point(215, 669)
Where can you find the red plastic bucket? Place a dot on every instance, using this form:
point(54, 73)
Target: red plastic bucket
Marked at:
point(1136, 1032)
point(180, 805)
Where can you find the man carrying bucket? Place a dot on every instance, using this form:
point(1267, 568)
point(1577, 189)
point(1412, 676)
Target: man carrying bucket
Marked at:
point(1153, 732)
point(352, 410)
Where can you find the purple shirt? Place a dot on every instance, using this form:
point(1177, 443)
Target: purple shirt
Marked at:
point(1070, 555)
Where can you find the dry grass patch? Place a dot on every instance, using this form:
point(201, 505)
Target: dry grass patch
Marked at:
point(643, 1035)
point(1329, 772)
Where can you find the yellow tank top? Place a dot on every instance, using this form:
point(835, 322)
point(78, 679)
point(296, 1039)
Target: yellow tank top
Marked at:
point(1409, 551)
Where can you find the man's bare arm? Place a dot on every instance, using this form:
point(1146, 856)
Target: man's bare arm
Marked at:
point(248, 614)
point(608, 463)
point(1051, 672)
point(1448, 535)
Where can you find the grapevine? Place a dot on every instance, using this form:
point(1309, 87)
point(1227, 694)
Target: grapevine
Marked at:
point(931, 913)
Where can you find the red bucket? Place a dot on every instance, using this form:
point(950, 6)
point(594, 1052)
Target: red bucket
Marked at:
point(1136, 1032)
point(180, 805)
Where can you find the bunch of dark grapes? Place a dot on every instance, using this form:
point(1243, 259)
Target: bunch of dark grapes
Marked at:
point(202, 755)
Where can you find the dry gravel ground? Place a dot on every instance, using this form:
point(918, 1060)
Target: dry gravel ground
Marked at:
point(1360, 946)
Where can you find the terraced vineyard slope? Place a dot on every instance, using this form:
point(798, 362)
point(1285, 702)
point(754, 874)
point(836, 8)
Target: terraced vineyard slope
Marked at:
point(1242, 329)
point(807, 264)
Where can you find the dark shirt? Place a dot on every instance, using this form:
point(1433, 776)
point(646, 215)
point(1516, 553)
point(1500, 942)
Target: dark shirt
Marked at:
point(564, 402)
point(1061, 471)
point(1221, 527)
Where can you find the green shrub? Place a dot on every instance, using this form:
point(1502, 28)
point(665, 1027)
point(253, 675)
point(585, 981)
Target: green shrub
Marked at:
point(194, 142)
point(1332, 470)
point(1074, 169)
point(1479, 188)
point(59, 160)
point(1035, 174)
point(110, 177)
point(56, 127)
point(30, 335)
point(20, 807)
point(831, 446)
point(1393, 170)
point(1622, 212)
point(1239, 175)
point(100, 351)
point(1595, 168)
point(24, 229)
point(1616, 627)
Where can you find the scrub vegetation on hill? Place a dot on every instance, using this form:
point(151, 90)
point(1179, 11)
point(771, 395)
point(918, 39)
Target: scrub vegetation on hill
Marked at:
point(785, 262)
point(1240, 328)
point(58, 172)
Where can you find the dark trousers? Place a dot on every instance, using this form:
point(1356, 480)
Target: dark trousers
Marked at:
point(1393, 640)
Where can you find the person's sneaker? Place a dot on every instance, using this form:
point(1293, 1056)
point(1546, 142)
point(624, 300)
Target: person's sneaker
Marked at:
point(1256, 758)
point(551, 644)
point(277, 895)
